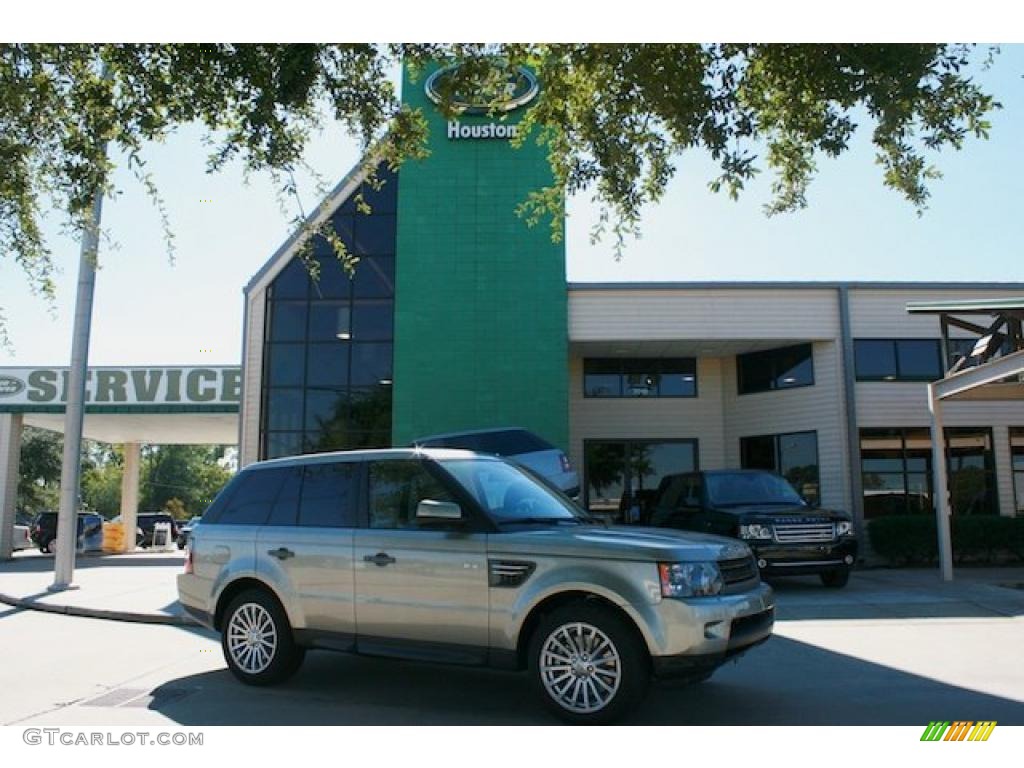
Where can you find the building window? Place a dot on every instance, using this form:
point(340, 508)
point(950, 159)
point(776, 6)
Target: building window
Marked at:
point(1017, 457)
point(783, 368)
point(898, 359)
point(329, 341)
point(621, 477)
point(640, 377)
point(793, 455)
point(896, 471)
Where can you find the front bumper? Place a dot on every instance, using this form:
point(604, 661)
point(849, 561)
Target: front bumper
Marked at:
point(794, 559)
point(704, 632)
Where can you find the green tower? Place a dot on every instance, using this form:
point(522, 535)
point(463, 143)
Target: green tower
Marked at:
point(481, 301)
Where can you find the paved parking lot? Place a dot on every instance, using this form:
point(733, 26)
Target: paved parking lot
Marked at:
point(895, 648)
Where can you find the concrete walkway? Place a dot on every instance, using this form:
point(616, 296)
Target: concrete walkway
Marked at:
point(141, 587)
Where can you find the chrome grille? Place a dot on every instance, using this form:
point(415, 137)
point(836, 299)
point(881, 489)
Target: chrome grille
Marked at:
point(738, 570)
point(804, 533)
point(509, 573)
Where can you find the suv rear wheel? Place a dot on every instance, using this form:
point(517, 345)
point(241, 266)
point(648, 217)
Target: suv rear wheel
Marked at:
point(257, 640)
point(588, 664)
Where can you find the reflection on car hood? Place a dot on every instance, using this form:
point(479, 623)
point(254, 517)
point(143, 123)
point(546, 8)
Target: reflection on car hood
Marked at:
point(617, 543)
point(778, 513)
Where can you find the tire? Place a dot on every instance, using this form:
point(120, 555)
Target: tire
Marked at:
point(564, 634)
point(836, 578)
point(50, 547)
point(263, 664)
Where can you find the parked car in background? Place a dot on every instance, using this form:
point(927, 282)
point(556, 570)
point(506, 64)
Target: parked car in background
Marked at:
point(468, 559)
point(147, 521)
point(185, 530)
point(788, 536)
point(88, 536)
point(517, 444)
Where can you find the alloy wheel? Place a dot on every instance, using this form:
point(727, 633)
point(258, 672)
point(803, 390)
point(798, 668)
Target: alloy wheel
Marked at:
point(252, 638)
point(580, 668)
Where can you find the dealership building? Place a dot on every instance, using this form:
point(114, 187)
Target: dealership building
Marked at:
point(459, 316)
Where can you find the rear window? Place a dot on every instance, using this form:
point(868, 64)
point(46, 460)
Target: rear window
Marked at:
point(248, 499)
point(507, 442)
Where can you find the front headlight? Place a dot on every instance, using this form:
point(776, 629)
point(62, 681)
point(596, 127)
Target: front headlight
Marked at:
point(844, 528)
point(689, 579)
point(755, 531)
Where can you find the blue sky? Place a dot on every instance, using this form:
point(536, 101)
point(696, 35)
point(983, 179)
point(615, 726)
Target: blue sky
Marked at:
point(148, 311)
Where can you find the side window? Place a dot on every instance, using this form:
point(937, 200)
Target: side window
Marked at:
point(396, 488)
point(691, 496)
point(252, 496)
point(327, 499)
point(286, 508)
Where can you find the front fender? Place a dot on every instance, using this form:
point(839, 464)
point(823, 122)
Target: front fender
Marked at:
point(633, 587)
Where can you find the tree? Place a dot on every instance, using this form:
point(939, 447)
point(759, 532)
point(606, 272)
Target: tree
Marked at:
point(39, 479)
point(182, 479)
point(614, 117)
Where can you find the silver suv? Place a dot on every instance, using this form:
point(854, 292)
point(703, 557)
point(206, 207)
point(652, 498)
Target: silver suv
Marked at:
point(450, 556)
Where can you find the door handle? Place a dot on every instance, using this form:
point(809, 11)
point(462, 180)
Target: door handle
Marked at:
point(381, 559)
point(281, 553)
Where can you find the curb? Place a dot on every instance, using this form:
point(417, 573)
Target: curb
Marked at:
point(99, 613)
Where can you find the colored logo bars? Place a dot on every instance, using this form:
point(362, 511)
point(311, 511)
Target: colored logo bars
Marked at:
point(961, 730)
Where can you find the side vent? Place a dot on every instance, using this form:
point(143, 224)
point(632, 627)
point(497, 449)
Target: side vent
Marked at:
point(509, 573)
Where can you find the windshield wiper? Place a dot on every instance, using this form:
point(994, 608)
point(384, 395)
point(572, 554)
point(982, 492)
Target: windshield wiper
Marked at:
point(759, 503)
point(541, 520)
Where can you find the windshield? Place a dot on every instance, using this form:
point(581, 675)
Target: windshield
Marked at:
point(508, 494)
point(745, 488)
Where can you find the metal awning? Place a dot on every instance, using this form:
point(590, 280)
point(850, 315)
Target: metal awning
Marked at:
point(993, 370)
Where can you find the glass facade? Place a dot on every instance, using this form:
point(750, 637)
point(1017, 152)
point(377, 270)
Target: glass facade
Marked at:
point(896, 471)
point(621, 477)
point(783, 368)
point(639, 377)
point(329, 340)
point(1017, 457)
point(898, 359)
point(793, 455)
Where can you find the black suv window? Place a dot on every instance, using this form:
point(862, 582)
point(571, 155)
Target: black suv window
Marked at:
point(679, 492)
point(251, 497)
point(327, 495)
point(396, 488)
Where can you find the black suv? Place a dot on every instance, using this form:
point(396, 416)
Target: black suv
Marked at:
point(146, 521)
point(788, 535)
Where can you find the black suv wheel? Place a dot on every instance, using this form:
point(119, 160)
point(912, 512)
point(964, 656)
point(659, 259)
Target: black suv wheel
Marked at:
point(257, 640)
point(836, 578)
point(588, 663)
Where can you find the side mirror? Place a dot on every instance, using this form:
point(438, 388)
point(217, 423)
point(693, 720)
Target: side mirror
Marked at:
point(428, 509)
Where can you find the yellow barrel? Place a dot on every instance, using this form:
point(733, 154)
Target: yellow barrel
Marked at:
point(113, 537)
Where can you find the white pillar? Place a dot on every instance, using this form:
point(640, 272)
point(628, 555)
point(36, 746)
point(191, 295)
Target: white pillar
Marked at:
point(940, 485)
point(10, 459)
point(130, 494)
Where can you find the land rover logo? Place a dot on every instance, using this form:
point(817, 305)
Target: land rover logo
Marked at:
point(10, 386)
point(520, 88)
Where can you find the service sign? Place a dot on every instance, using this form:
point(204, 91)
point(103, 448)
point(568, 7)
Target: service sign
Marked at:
point(183, 386)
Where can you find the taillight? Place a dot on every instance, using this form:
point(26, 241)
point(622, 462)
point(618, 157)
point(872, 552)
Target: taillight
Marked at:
point(188, 560)
point(566, 466)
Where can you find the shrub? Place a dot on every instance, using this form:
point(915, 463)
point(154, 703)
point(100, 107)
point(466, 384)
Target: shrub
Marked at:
point(912, 539)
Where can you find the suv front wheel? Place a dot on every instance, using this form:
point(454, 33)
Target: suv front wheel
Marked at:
point(257, 640)
point(588, 664)
point(836, 578)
